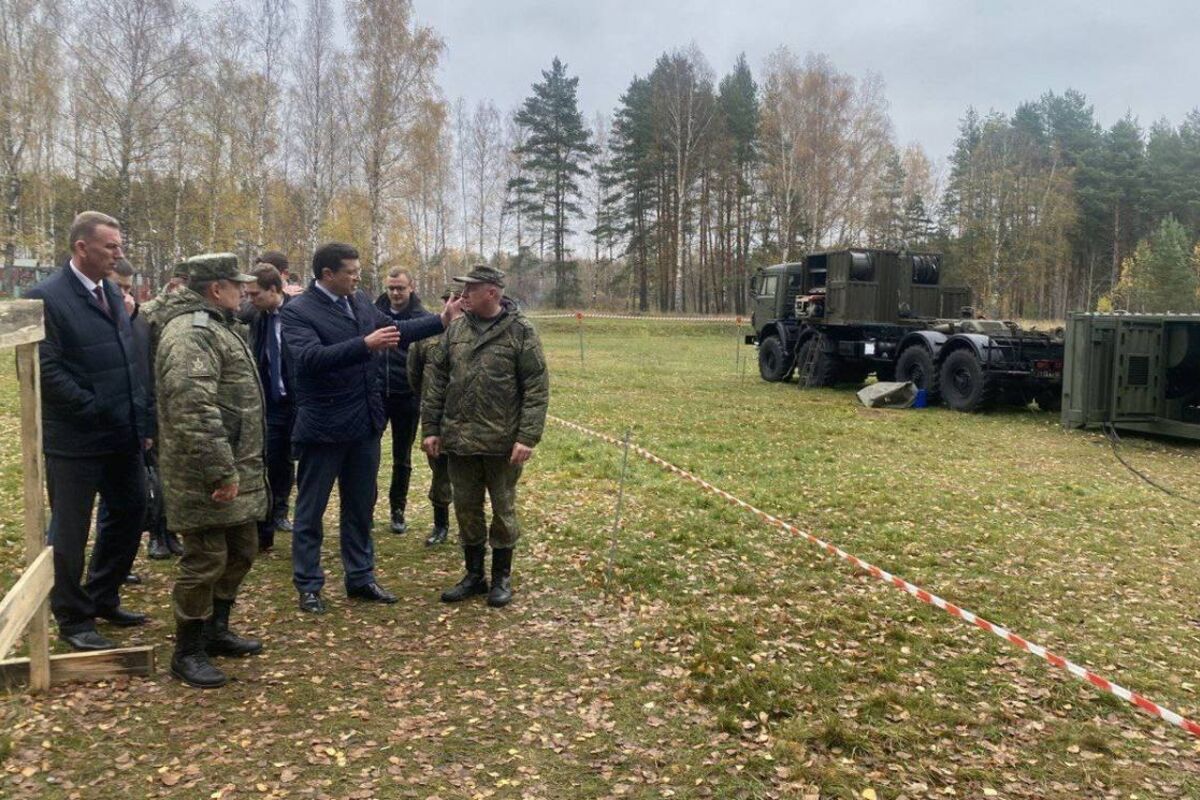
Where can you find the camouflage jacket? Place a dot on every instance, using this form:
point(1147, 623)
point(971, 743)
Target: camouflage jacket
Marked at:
point(418, 360)
point(210, 416)
point(487, 386)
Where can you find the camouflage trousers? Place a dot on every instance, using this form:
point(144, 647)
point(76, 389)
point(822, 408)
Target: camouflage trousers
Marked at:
point(471, 478)
point(214, 563)
point(440, 493)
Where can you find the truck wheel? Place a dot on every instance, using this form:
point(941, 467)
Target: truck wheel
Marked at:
point(773, 363)
point(965, 386)
point(1049, 399)
point(916, 364)
point(824, 371)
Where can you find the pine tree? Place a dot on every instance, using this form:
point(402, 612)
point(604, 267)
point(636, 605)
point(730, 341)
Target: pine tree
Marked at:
point(553, 156)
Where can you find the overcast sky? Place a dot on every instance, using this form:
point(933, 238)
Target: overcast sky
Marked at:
point(936, 57)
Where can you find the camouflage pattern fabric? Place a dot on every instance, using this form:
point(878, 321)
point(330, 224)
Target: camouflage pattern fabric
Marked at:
point(210, 416)
point(488, 387)
point(214, 564)
point(472, 477)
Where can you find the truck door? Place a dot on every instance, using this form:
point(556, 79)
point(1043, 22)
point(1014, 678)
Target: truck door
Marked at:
point(764, 299)
point(1139, 376)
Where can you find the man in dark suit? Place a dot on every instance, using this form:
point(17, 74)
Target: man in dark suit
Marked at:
point(96, 421)
point(266, 341)
point(334, 336)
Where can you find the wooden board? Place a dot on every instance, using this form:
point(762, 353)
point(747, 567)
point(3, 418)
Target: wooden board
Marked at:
point(25, 599)
point(29, 376)
point(21, 322)
point(98, 666)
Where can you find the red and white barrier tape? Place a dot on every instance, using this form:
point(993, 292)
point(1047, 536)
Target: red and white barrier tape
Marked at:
point(579, 315)
point(1150, 707)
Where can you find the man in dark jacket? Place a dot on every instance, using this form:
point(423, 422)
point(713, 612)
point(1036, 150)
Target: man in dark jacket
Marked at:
point(400, 303)
point(334, 336)
point(96, 421)
point(266, 341)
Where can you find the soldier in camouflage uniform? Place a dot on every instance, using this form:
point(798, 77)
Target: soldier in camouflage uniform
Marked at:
point(212, 441)
point(485, 406)
point(440, 493)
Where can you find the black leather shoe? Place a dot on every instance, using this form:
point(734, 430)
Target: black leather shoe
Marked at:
point(174, 545)
point(282, 524)
point(122, 618)
point(372, 593)
point(133, 579)
point(87, 640)
point(312, 602)
point(398, 523)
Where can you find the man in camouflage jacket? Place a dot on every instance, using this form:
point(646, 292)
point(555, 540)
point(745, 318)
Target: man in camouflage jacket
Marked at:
point(485, 406)
point(440, 493)
point(212, 442)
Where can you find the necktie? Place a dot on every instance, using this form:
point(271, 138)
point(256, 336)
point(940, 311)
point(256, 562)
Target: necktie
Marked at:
point(102, 300)
point(344, 304)
point(274, 364)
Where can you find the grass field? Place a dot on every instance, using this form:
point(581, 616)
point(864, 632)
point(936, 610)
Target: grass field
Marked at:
point(697, 653)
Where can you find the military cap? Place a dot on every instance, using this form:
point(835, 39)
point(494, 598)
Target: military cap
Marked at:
point(483, 274)
point(215, 267)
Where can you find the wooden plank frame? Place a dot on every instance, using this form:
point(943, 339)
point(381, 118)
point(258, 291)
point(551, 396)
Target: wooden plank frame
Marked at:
point(100, 665)
point(24, 608)
point(25, 599)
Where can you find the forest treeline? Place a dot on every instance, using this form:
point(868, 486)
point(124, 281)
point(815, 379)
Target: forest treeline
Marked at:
point(252, 125)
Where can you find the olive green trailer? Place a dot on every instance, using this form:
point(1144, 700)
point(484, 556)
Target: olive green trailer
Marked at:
point(1135, 372)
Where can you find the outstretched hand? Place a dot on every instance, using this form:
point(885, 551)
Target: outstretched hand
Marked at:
point(452, 311)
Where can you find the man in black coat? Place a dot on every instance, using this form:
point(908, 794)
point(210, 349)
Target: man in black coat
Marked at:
point(400, 302)
point(266, 342)
point(95, 421)
point(334, 336)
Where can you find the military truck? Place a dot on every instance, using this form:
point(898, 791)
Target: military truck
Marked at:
point(837, 316)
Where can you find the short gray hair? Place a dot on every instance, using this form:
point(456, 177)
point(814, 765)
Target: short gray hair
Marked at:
point(84, 225)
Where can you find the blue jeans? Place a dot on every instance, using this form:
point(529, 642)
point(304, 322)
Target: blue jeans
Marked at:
point(354, 466)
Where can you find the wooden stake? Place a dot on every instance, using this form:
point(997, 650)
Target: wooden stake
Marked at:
point(29, 377)
point(612, 542)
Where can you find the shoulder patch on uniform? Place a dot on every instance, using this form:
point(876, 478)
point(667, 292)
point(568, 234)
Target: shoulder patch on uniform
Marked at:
point(199, 319)
point(198, 367)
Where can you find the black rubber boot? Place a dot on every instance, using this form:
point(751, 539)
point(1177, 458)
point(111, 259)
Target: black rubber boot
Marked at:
point(173, 544)
point(501, 593)
point(441, 526)
point(190, 663)
point(158, 549)
point(220, 641)
point(473, 582)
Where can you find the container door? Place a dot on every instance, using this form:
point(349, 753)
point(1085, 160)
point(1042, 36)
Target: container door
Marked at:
point(1138, 390)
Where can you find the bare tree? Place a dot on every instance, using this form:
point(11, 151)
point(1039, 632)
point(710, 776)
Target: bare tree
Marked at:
point(393, 71)
point(28, 99)
point(485, 156)
point(133, 52)
point(685, 105)
point(321, 129)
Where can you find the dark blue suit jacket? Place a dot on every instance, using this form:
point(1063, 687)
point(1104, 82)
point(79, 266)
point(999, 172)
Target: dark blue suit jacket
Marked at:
point(259, 330)
point(336, 378)
point(94, 395)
